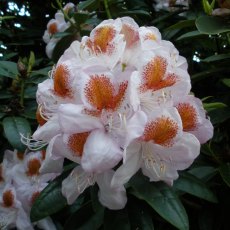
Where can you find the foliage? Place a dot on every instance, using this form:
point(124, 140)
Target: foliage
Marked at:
point(199, 198)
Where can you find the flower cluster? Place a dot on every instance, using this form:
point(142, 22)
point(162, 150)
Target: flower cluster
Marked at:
point(117, 102)
point(58, 24)
point(20, 185)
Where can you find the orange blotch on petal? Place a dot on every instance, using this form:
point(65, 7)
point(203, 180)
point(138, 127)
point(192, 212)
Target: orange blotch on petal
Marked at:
point(102, 40)
point(8, 198)
point(154, 75)
point(161, 131)
point(52, 28)
point(33, 167)
point(61, 82)
point(20, 155)
point(77, 141)
point(101, 93)
point(34, 197)
point(188, 116)
point(43, 152)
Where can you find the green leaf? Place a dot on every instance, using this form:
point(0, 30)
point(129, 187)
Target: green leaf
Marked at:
point(118, 219)
point(219, 115)
point(134, 13)
point(162, 199)
point(212, 25)
point(194, 186)
point(181, 24)
point(215, 105)
point(89, 5)
point(140, 218)
point(225, 173)
point(203, 172)
point(81, 17)
point(217, 57)
point(50, 200)
point(61, 34)
point(13, 127)
point(61, 46)
point(226, 81)
point(5, 94)
point(8, 69)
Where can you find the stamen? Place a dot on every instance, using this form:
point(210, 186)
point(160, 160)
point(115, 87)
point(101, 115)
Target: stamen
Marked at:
point(32, 144)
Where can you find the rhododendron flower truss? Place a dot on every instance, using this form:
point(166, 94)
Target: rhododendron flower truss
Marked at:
point(116, 102)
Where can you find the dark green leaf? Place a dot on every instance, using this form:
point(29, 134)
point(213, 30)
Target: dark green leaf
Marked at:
point(140, 218)
point(134, 13)
point(215, 105)
point(5, 94)
point(225, 173)
point(61, 34)
point(226, 81)
point(181, 24)
point(217, 57)
point(81, 17)
point(203, 172)
point(212, 25)
point(219, 115)
point(89, 5)
point(50, 200)
point(8, 69)
point(118, 219)
point(162, 199)
point(14, 127)
point(194, 186)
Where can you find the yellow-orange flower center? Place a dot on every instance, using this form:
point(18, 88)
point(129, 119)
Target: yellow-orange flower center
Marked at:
point(188, 116)
point(101, 43)
point(161, 131)
point(52, 29)
point(33, 167)
point(61, 82)
point(8, 198)
point(154, 75)
point(150, 36)
point(101, 93)
point(77, 141)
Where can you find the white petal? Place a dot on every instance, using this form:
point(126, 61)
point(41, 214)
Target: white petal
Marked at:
point(47, 131)
point(73, 120)
point(100, 152)
point(75, 184)
point(52, 164)
point(129, 167)
point(46, 224)
point(112, 198)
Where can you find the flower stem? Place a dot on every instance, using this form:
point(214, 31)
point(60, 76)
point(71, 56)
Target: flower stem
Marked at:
point(107, 9)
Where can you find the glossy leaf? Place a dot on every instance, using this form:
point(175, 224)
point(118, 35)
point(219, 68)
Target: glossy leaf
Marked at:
point(8, 69)
point(194, 186)
point(14, 127)
point(162, 199)
point(203, 172)
point(212, 25)
point(225, 173)
point(182, 24)
point(49, 201)
point(218, 57)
